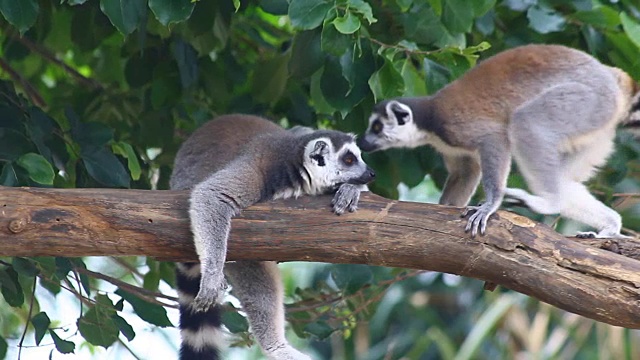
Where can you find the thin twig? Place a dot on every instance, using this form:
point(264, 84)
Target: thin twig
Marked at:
point(403, 48)
point(26, 325)
point(128, 349)
point(31, 91)
point(50, 56)
point(142, 292)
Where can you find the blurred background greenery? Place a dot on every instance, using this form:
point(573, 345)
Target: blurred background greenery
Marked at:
point(100, 93)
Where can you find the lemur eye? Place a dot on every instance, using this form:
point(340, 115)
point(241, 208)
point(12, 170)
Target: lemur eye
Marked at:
point(376, 127)
point(349, 159)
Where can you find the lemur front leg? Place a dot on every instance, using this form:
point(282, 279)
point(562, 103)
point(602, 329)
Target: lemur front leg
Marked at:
point(495, 161)
point(462, 180)
point(211, 210)
point(347, 197)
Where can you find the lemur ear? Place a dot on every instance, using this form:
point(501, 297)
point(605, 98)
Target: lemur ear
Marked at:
point(399, 111)
point(320, 149)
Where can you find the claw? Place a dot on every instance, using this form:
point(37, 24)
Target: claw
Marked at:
point(478, 219)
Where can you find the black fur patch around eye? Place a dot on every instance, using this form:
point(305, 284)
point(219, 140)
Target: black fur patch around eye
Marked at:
point(319, 158)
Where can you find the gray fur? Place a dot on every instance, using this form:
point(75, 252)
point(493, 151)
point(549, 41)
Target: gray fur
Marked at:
point(233, 162)
point(552, 109)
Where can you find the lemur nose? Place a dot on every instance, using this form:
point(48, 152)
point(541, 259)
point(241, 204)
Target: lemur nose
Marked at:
point(371, 173)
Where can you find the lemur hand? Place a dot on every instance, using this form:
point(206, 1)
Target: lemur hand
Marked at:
point(479, 217)
point(346, 198)
point(211, 290)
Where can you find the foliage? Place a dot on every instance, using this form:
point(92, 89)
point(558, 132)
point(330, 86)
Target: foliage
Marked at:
point(100, 93)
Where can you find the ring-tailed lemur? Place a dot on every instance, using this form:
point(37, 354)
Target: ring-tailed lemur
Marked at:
point(229, 164)
point(552, 108)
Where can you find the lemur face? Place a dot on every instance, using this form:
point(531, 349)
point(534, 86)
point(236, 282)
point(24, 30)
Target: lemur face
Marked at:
point(329, 167)
point(390, 125)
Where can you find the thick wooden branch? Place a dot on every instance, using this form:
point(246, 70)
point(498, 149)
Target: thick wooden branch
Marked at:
point(517, 253)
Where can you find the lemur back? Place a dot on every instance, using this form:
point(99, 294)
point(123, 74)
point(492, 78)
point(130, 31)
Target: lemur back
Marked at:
point(229, 164)
point(214, 145)
point(552, 109)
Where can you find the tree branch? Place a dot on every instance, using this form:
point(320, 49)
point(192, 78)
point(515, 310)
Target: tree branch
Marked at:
point(517, 253)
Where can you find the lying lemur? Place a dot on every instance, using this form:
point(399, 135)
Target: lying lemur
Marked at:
point(552, 108)
point(229, 164)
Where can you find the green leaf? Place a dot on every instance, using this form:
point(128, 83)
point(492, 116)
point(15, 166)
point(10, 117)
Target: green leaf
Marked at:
point(7, 281)
point(363, 8)
point(351, 278)
point(387, 82)
point(151, 313)
point(631, 28)
point(152, 277)
point(13, 144)
point(235, 322)
point(545, 20)
point(319, 329)
point(20, 13)
point(308, 14)
point(347, 24)
point(437, 75)
point(404, 4)
point(306, 54)
point(333, 41)
point(24, 267)
point(8, 176)
point(125, 15)
point(187, 60)
point(236, 5)
point(458, 15)
point(63, 346)
point(41, 324)
point(3, 347)
point(414, 83)
point(11, 288)
point(269, 83)
point(425, 27)
point(126, 150)
point(602, 16)
point(171, 11)
point(39, 169)
point(105, 168)
point(481, 7)
point(97, 325)
point(124, 327)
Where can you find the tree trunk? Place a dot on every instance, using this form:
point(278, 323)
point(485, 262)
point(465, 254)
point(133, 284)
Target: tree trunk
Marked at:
point(517, 253)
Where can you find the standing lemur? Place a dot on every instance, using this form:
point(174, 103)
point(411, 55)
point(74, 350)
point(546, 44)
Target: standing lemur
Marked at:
point(552, 108)
point(229, 164)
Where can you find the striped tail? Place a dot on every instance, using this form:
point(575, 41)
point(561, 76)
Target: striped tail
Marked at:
point(202, 337)
point(634, 111)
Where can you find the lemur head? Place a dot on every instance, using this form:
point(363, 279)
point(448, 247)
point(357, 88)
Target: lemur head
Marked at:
point(391, 124)
point(332, 158)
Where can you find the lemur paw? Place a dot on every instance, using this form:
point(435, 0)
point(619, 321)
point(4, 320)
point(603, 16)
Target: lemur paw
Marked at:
point(586, 235)
point(479, 217)
point(208, 296)
point(346, 198)
point(287, 353)
point(601, 235)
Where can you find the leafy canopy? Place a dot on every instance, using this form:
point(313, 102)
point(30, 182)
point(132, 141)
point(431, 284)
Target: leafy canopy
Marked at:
point(100, 93)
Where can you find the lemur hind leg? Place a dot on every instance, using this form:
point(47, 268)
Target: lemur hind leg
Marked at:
point(258, 286)
point(554, 137)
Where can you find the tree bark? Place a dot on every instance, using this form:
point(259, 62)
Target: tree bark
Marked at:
point(517, 253)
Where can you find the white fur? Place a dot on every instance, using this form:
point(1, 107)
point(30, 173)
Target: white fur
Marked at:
point(190, 272)
point(408, 135)
point(322, 178)
point(185, 299)
point(289, 193)
point(205, 336)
